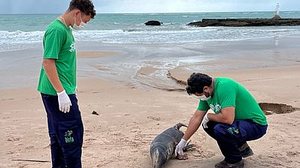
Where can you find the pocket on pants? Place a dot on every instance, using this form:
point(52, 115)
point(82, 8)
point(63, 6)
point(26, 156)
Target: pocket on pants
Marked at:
point(70, 133)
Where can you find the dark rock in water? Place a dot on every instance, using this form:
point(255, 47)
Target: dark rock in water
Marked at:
point(276, 17)
point(153, 23)
point(275, 21)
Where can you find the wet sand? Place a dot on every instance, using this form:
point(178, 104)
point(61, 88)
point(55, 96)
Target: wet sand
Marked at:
point(95, 54)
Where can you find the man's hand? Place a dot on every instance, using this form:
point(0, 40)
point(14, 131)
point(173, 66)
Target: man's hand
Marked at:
point(64, 102)
point(205, 121)
point(179, 147)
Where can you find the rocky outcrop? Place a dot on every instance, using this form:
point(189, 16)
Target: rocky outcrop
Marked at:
point(153, 23)
point(275, 21)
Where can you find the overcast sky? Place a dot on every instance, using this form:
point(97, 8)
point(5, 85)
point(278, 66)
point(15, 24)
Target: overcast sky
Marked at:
point(148, 6)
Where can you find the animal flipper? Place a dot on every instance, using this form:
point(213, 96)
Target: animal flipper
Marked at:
point(188, 146)
point(179, 125)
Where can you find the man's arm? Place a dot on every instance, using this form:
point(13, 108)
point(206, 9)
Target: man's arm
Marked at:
point(50, 69)
point(226, 116)
point(64, 101)
point(194, 124)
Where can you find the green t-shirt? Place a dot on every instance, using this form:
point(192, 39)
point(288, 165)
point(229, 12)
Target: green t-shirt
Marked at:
point(59, 44)
point(229, 93)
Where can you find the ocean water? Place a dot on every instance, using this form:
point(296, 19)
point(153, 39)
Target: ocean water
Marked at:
point(20, 31)
point(172, 45)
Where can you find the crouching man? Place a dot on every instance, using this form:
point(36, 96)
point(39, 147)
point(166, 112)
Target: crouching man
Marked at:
point(237, 117)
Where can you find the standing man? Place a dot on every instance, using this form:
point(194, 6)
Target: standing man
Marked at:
point(237, 117)
point(57, 85)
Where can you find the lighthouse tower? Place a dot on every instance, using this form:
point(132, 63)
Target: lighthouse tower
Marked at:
point(276, 16)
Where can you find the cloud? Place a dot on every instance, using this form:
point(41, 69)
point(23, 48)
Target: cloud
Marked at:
point(149, 6)
point(152, 6)
point(33, 6)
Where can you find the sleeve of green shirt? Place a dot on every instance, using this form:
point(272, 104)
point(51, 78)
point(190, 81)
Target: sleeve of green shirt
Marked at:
point(203, 106)
point(227, 96)
point(53, 42)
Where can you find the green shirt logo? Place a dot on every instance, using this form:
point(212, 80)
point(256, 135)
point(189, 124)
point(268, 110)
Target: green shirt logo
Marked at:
point(72, 47)
point(216, 108)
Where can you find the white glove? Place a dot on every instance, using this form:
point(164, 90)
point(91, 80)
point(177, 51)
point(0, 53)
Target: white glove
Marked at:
point(179, 147)
point(205, 121)
point(64, 102)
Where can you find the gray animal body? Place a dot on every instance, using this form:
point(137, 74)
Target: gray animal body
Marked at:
point(163, 146)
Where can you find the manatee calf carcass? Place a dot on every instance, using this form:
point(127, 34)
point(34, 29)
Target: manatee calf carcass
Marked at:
point(163, 146)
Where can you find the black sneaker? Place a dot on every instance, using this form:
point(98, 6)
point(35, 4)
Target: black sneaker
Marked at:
point(225, 164)
point(245, 150)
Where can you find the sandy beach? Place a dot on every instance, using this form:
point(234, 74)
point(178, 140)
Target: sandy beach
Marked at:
point(131, 114)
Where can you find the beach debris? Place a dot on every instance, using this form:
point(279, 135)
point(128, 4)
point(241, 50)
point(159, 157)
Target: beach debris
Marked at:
point(277, 108)
point(179, 81)
point(30, 160)
point(153, 23)
point(163, 146)
point(95, 113)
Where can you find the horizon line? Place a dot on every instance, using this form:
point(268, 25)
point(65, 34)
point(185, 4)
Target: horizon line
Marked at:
point(150, 12)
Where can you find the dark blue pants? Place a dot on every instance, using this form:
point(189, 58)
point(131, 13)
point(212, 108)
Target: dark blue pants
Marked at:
point(231, 137)
point(65, 132)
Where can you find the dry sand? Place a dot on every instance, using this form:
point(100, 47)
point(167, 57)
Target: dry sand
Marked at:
point(129, 118)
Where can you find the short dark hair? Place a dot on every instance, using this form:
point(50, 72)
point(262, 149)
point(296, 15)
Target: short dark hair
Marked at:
point(85, 6)
point(196, 83)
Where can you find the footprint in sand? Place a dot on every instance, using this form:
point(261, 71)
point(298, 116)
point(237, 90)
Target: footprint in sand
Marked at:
point(154, 118)
point(13, 139)
point(292, 153)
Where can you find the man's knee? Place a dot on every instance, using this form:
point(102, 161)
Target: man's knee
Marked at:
point(209, 129)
